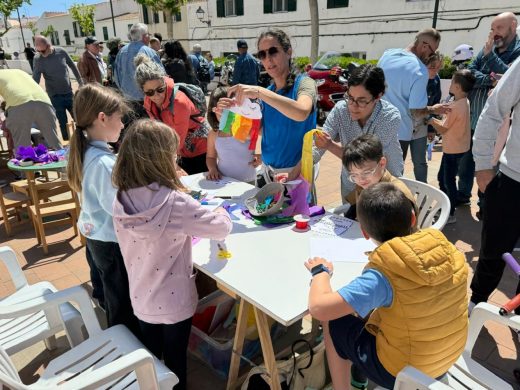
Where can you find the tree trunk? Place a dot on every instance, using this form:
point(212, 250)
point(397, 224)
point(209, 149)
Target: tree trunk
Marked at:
point(169, 23)
point(315, 30)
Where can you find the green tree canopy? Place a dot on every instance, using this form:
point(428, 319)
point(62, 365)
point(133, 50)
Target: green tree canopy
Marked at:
point(84, 15)
point(7, 7)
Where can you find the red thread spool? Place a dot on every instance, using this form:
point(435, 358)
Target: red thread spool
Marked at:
point(302, 222)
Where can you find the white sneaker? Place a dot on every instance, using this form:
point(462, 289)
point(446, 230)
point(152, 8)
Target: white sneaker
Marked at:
point(451, 219)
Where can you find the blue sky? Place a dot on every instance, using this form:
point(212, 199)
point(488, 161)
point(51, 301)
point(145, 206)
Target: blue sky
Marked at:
point(37, 7)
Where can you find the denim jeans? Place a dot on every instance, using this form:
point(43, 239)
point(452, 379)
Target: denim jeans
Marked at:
point(62, 103)
point(466, 173)
point(418, 148)
point(447, 177)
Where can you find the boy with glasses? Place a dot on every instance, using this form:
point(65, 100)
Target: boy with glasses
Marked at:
point(364, 160)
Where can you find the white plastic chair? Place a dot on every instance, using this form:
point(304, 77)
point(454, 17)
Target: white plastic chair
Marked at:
point(430, 201)
point(108, 359)
point(466, 373)
point(20, 332)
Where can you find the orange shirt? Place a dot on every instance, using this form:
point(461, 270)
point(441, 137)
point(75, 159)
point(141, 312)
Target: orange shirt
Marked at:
point(457, 121)
point(184, 120)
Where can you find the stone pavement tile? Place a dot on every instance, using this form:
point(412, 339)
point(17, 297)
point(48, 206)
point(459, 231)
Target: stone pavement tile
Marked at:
point(66, 281)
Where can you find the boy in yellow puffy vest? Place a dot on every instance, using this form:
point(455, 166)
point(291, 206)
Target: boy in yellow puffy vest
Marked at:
point(414, 286)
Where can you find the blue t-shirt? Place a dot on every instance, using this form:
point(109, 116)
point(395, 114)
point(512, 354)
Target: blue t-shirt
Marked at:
point(368, 292)
point(406, 78)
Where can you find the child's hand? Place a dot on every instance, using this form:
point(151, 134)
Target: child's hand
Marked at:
point(322, 140)
point(213, 174)
point(311, 263)
point(281, 177)
point(223, 104)
point(256, 161)
point(181, 172)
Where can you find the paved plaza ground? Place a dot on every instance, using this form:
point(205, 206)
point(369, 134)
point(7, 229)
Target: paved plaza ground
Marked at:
point(66, 266)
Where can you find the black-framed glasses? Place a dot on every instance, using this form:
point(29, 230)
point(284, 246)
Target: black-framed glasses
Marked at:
point(152, 92)
point(262, 54)
point(361, 102)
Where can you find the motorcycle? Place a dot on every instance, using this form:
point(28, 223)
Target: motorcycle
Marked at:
point(331, 81)
point(226, 72)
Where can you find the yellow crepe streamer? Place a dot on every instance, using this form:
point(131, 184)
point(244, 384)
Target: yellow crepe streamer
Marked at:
point(307, 161)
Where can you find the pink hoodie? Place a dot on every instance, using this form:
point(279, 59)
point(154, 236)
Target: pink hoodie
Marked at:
point(154, 226)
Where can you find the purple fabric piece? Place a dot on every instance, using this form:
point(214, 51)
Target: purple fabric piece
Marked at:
point(298, 194)
point(39, 154)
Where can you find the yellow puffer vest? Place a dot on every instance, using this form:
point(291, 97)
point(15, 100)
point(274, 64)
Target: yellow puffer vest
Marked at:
point(426, 324)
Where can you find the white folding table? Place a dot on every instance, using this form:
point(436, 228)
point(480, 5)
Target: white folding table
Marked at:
point(266, 271)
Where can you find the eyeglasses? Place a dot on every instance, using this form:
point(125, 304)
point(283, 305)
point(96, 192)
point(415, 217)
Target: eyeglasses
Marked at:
point(152, 92)
point(262, 54)
point(429, 47)
point(363, 175)
point(361, 102)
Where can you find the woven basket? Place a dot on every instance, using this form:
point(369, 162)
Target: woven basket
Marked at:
point(271, 189)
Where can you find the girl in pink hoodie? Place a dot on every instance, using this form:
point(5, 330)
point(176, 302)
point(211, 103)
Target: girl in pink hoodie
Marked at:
point(154, 221)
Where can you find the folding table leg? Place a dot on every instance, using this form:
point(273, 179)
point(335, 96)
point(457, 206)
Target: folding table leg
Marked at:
point(267, 348)
point(238, 344)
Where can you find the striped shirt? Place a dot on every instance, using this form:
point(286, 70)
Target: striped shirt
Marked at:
point(482, 66)
point(384, 122)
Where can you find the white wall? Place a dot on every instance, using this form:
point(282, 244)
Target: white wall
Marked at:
point(12, 41)
point(364, 26)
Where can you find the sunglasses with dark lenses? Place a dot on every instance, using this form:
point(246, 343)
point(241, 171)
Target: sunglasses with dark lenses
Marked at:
point(262, 54)
point(152, 92)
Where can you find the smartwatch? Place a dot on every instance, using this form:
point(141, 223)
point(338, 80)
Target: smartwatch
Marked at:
point(318, 269)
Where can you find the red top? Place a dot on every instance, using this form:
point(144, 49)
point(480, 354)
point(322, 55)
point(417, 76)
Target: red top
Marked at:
point(183, 120)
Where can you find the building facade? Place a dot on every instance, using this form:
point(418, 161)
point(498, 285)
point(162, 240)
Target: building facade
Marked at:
point(15, 38)
point(362, 27)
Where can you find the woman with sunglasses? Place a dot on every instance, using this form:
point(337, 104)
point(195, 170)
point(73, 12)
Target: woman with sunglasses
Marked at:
point(362, 112)
point(288, 104)
point(175, 109)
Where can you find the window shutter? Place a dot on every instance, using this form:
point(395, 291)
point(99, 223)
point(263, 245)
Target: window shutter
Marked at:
point(239, 5)
point(330, 4)
point(291, 6)
point(145, 15)
point(178, 16)
point(156, 17)
point(268, 6)
point(221, 10)
point(75, 26)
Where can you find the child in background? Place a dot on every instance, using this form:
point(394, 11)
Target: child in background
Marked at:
point(98, 111)
point(363, 158)
point(226, 156)
point(418, 303)
point(456, 135)
point(155, 221)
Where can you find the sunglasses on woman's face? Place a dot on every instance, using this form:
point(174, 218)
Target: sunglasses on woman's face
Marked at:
point(262, 54)
point(152, 92)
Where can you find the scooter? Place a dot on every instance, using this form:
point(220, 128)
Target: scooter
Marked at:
point(331, 81)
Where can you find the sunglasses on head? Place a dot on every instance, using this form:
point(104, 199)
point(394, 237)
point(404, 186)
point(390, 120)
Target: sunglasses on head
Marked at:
point(152, 92)
point(262, 54)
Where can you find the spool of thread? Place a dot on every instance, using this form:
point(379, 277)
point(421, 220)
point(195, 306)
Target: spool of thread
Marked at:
point(510, 305)
point(512, 263)
point(302, 222)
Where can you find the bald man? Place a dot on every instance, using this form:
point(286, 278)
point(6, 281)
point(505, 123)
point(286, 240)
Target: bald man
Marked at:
point(54, 63)
point(499, 52)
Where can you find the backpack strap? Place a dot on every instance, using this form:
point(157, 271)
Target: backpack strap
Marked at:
point(172, 99)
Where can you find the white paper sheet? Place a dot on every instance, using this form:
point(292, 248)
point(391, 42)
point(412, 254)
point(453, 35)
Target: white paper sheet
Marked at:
point(223, 188)
point(330, 225)
point(341, 249)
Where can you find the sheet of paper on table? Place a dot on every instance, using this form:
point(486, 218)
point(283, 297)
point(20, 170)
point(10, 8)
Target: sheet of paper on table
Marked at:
point(330, 225)
point(341, 249)
point(226, 187)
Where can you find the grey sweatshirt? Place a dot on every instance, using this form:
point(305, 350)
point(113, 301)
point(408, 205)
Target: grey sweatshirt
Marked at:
point(505, 97)
point(55, 71)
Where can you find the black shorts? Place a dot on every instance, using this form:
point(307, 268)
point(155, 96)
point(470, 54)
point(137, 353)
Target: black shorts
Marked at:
point(353, 342)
